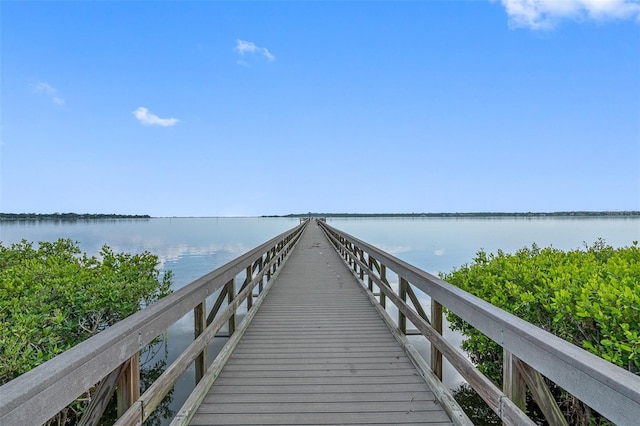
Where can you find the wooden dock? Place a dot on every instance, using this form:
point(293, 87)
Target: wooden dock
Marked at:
point(318, 352)
point(321, 349)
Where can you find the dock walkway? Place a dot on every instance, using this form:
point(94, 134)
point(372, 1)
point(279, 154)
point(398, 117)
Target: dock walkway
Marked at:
point(317, 352)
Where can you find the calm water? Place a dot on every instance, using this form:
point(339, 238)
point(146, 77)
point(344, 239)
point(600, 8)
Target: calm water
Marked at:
point(191, 247)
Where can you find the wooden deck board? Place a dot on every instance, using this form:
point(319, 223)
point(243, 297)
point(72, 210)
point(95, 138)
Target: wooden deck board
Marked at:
point(437, 418)
point(317, 352)
point(271, 398)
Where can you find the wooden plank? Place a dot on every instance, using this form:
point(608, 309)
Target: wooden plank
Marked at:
point(392, 355)
point(266, 347)
point(256, 366)
point(215, 397)
point(380, 372)
point(319, 407)
point(417, 417)
point(345, 380)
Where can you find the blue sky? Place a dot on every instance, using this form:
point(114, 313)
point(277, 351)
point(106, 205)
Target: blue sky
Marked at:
point(208, 108)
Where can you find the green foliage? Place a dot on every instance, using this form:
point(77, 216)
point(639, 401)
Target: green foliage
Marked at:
point(589, 297)
point(54, 297)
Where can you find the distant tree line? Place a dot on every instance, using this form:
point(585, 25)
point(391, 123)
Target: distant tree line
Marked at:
point(67, 216)
point(628, 213)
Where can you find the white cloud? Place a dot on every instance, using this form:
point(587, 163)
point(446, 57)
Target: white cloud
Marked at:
point(243, 47)
point(145, 117)
point(544, 14)
point(49, 91)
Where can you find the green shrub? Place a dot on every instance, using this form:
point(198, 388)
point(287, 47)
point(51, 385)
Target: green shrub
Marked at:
point(589, 297)
point(53, 297)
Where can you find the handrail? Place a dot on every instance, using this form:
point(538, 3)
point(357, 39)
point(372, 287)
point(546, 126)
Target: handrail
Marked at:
point(38, 395)
point(610, 390)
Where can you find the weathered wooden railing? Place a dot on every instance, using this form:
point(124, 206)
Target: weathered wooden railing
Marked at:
point(529, 351)
point(111, 357)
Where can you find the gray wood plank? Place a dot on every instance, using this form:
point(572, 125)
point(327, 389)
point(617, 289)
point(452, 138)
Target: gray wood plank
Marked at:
point(215, 397)
point(379, 372)
point(309, 418)
point(318, 381)
point(319, 407)
point(317, 352)
point(313, 366)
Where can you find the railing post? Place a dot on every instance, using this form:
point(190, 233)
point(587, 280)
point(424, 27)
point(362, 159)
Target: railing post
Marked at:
point(343, 248)
point(231, 294)
point(369, 280)
point(266, 263)
point(383, 278)
point(513, 384)
point(260, 284)
point(279, 254)
point(128, 390)
point(436, 323)
point(354, 256)
point(247, 280)
point(275, 264)
point(199, 324)
point(402, 319)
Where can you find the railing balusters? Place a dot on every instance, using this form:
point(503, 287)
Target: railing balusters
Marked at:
point(608, 389)
point(217, 305)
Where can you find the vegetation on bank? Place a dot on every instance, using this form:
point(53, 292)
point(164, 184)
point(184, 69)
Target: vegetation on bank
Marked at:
point(589, 297)
point(54, 296)
point(67, 216)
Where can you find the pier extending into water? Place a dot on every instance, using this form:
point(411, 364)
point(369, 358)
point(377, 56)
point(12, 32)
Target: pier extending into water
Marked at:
point(317, 346)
